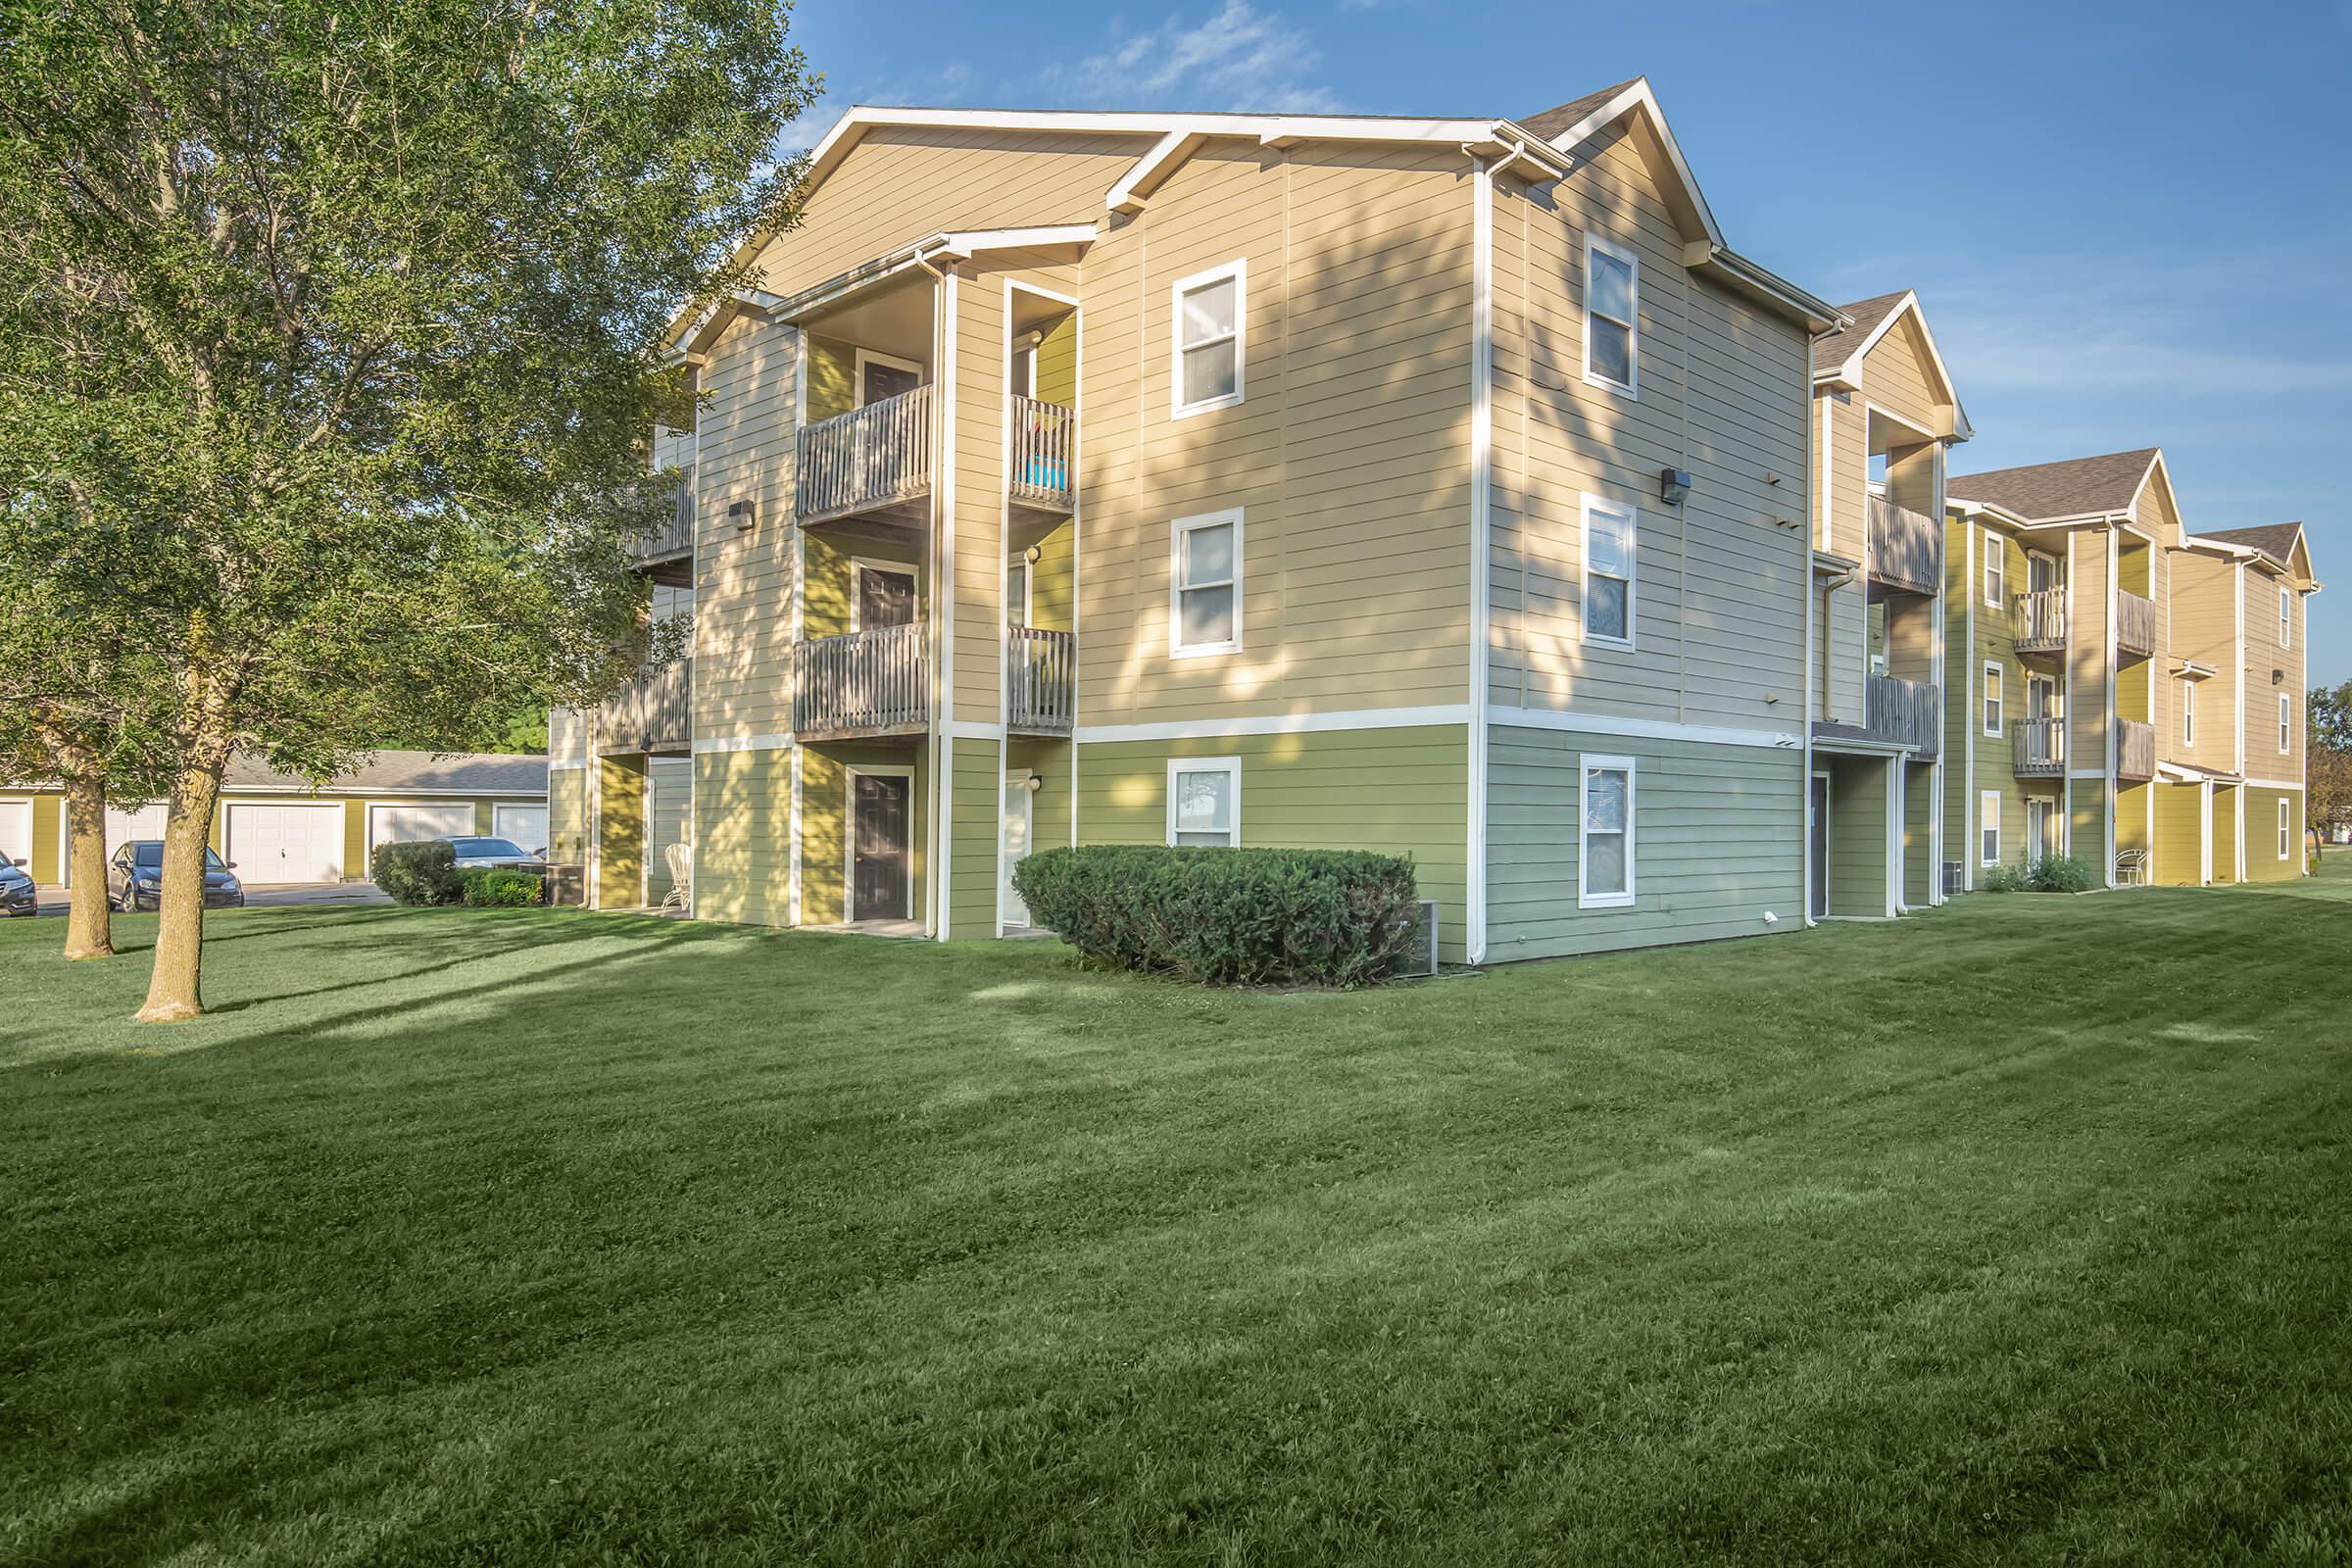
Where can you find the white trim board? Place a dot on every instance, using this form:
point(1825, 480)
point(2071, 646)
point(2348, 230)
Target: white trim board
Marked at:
point(1656, 729)
point(1278, 724)
point(704, 745)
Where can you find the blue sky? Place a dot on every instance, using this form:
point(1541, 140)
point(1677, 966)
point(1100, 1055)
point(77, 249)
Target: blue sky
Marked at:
point(2129, 224)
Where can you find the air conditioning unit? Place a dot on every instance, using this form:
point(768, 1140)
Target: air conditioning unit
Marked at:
point(1951, 877)
point(1421, 957)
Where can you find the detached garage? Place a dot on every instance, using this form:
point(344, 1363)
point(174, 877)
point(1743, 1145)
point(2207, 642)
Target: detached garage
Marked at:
point(283, 829)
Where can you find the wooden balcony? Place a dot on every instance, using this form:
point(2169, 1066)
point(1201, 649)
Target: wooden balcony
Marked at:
point(666, 554)
point(1041, 674)
point(1045, 440)
point(1906, 550)
point(651, 714)
point(863, 683)
point(2135, 625)
point(2041, 621)
point(2134, 750)
point(1907, 711)
point(867, 460)
point(2038, 748)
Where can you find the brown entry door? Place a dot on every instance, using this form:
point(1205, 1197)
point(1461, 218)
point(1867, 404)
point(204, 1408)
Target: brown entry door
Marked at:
point(879, 852)
point(884, 599)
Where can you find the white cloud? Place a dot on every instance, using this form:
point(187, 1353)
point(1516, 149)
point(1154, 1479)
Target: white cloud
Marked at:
point(1237, 59)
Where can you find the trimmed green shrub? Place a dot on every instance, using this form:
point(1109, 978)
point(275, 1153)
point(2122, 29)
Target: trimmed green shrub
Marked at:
point(417, 873)
point(2003, 878)
point(1339, 917)
point(2062, 873)
point(496, 887)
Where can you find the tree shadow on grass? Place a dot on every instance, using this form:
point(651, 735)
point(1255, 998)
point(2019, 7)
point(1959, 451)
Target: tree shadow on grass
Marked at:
point(474, 945)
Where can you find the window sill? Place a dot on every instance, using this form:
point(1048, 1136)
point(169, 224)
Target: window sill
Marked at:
point(1631, 393)
point(1604, 900)
point(1621, 645)
point(1185, 410)
point(1204, 651)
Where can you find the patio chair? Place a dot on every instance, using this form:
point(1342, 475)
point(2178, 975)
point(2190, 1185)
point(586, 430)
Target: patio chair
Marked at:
point(681, 875)
point(2131, 869)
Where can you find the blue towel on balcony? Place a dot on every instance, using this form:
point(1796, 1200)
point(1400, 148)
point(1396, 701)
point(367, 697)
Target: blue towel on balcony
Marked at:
point(1044, 474)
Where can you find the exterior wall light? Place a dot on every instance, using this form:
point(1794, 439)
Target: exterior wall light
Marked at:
point(1673, 485)
point(739, 513)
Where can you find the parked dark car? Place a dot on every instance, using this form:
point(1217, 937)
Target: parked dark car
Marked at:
point(499, 855)
point(134, 878)
point(16, 889)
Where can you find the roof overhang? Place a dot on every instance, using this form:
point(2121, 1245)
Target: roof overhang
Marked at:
point(1988, 509)
point(1508, 148)
point(2191, 773)
point(692, 343)
point(2190, 669)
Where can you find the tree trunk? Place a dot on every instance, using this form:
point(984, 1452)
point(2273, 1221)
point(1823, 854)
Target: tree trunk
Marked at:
point(175, 991)
point(89, 931)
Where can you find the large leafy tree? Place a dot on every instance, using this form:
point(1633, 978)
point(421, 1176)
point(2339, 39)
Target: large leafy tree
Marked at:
point(2327, 739)
point(335, 322)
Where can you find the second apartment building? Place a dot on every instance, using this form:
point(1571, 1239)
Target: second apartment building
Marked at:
point(1433, 486)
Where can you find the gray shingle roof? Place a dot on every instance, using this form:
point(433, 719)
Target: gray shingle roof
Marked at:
point(2069, 489)
point(1838, 347)
point(1553, 121)
point(2275, 540)
point(464, 774)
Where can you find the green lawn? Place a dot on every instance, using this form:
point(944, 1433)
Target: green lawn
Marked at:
point(2019, 1231)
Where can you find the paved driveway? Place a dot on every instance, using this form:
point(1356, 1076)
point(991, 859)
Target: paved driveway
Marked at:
point(269, 896)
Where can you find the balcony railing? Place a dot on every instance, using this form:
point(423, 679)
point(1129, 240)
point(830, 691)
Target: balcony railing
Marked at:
point(2040, 748)
point(675, 538)
point(1041, 674)
point(1906, 548)
point(2135, 750)
point(869, 458)
point(1043, 437)
point(2134, 624)
point(864, 683)
point(651, 713)
point(2041, 621)
point(1907, 711)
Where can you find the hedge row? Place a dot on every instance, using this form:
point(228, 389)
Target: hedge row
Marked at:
point(427, 873)
point(1229, 916)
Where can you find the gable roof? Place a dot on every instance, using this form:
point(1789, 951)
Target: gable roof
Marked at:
point(2283, 544)
point(1532, 152)
point(1553, 122)
point(2277, 540)
point(2078, 487)
point(1864, 319)
point(1837, 356)
point(405, 773)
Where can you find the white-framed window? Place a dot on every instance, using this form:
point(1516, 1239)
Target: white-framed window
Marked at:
point(1608, 593)
point(1205, 584)
point(2286, 617)
point(1993, 699)
point(1604, 834)
point(1989, 827)
point(1612, 316)
point(2282, 827)
point(1016, 591)
point(2189, 712)
point(1204, 801)
point(1209, 311)
point(1997, 569)
point(2286, 723)
point(884, 375)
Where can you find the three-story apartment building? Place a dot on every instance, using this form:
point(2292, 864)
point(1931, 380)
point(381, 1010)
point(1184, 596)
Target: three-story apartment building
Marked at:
point(2119, 695)
point(1432, 486)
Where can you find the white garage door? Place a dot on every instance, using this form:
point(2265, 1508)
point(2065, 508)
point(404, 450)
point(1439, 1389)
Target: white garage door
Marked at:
point(16, 830)
point(286, 843)
point(122, 826)
point(405, 824)
point(526, 826)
